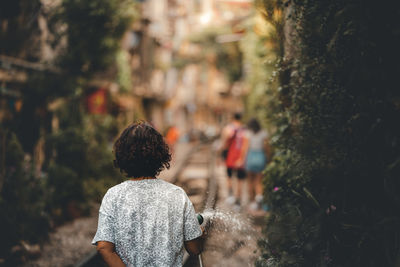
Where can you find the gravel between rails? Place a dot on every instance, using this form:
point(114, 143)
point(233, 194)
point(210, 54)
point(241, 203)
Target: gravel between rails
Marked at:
point(68, 244)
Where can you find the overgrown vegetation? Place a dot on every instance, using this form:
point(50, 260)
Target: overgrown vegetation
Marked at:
point(262, 52)
point(81, 168)
point(92, 47)
point(333, 184)
point(39, 191)
point(22, 199)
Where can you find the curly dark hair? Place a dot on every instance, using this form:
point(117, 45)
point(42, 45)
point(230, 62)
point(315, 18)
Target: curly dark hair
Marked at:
point(141, 151)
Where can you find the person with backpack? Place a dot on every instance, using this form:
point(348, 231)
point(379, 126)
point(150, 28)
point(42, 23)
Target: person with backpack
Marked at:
point(234, 152)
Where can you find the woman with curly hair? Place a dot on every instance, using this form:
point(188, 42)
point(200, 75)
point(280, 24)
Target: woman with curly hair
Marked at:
point(145, 221)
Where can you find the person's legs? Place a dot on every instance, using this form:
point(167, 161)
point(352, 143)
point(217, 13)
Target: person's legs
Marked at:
point(229, 173)
point(251, 179)
point(241, 175)
point(258, 189)
point(258, 184)
point(230, 199)
point(253, 191)
point(239, 191)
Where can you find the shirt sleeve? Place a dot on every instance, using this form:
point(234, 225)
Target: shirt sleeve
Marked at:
point(191, 225)
point(105, 226)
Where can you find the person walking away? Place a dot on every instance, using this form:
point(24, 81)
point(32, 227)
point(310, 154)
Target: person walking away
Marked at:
point(234, 144)
point(145, 221)
point(256, 160)
point(172, 137)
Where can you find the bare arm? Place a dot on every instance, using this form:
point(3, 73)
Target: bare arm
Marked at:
point(107, 252)
point(195, 247)
point(267, 149)
point(225, 136)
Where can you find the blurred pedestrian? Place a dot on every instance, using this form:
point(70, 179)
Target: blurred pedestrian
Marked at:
point(256, 160)
point(145, 221)
point(171, 138)
point(234, 145)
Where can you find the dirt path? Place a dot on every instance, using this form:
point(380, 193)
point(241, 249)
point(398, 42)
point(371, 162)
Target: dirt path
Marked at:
point(68, 244)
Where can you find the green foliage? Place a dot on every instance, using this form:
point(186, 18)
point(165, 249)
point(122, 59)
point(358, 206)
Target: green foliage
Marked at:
point(333, 184)
point(260, 58)
point(19, 28)
point(94, 30)
point(77, 167)
point(82, 164)
point(22, 206)
point(124, 75)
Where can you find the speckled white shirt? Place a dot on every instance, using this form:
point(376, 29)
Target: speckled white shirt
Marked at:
point(148, 221)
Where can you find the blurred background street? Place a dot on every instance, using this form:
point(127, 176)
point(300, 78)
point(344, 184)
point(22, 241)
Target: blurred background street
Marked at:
point(315, 83)
point(73, 74)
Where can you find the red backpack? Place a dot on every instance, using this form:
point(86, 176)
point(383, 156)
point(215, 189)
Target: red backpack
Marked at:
point(235, 144)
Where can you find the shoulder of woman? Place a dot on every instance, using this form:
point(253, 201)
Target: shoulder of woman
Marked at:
point(177, 189)
point(264, 133)
point(110, 195)
point(115, 191)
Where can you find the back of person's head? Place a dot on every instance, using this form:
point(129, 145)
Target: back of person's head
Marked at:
point(254, 125)
point(237, 116)
point(140, 151)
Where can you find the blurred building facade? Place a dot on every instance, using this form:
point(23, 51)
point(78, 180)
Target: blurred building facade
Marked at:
point(194, 96)
point(191, 96)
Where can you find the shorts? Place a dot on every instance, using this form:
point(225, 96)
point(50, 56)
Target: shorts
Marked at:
point(240, 173)
point(255, 161)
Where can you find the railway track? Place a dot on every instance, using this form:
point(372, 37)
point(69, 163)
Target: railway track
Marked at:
point(195, 174)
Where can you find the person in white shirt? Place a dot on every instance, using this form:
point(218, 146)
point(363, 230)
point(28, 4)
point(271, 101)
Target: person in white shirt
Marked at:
point(256, 161)
point(145, 221)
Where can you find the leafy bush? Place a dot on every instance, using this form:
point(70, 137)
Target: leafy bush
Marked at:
point(261, 48)
point(93, 47)
point(22, 206)
point(333, 186)
point(77, 165)
point(81, 166)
